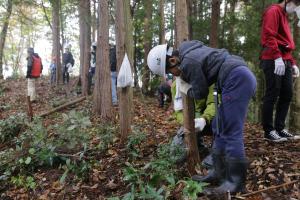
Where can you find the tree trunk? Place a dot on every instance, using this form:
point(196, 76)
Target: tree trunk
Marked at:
point(102, 90)
point(162, 22)
point(56, 39)
point(294, 122)
point(85, 42)
point(147, 44)
point(188, 104)
point(215, 17)
point(94, 21)
point(124, 43)
point(3, 34)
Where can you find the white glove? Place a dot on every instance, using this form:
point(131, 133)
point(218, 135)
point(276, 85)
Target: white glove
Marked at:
point(184, 87)
point(279, 67)
point(200, 124)
point(70, 68)
point(295, 71)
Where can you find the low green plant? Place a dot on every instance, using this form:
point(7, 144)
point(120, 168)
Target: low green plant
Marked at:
point(158, 178)
point(192, 188)
point(11, 126)
point(26, 182)
point(71, 133)
point(134, 141)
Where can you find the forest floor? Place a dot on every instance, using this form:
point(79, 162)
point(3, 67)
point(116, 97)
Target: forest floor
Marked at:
point(108, 167)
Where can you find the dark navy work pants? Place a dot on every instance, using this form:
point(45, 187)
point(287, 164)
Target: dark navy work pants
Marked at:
point(237, 90)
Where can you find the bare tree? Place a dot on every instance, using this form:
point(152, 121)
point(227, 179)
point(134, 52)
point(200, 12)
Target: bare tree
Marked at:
point(215, 17)
point(162, 22)
point(147, 43)
point(56, 39)
point(3, 34)
point(124, 43)
point(102, 89)
point(85, 42)
point(189, 110)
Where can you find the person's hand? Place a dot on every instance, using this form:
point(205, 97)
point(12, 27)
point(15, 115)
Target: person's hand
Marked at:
point(279, 67)
point(200, 124)
point(184, 87)
point(295, 71)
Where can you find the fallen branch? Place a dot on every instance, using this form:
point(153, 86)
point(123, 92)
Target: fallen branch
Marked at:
point(62, 106)
point(267, 189)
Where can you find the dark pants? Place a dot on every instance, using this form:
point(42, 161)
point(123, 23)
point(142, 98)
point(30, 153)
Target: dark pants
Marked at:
point(237, 90)
point(90, 78)
point(66, 75)
point(278, 89)
point(164, 89)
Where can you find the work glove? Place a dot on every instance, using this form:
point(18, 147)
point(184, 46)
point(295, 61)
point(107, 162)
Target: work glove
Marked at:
point(295, 71)
point(200, 124)
point(70, 68)
point(184, 87)
point(279, 67)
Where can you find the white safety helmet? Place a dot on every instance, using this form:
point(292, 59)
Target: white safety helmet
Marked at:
point(156, 59)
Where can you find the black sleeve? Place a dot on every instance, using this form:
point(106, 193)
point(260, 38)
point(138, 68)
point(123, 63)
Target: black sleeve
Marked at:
point(193, 74)
point(29, 65)
point(72, 61)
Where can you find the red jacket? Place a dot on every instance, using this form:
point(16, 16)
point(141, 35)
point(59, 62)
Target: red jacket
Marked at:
point(276, 37)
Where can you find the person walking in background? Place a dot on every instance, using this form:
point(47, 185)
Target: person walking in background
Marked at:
point(53, 71)
point(92, 68)
point(68, 63)
point(34, 70)
point(279, 68)
point(113, 72)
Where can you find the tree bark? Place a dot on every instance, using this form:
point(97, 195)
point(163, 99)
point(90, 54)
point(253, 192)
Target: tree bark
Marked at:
point(85, 42)
point(94, 21)
point(294, 118)
point(147, 44)
point(162, 22)
point(188, 104)
point(56, 39)
point(3, 34)
point(215, 17)
point(102, 90)
point(124, 43)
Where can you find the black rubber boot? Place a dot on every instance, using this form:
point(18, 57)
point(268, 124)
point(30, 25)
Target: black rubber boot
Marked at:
point(216, 174)
point(236, 172)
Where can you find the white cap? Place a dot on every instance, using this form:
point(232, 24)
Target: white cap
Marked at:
point(156, 59)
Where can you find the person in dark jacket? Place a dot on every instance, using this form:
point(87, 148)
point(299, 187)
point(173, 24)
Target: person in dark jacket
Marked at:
point(113, 72)
point(279, 67)
point(68, 63)
point(199, 67)
point(34, 70)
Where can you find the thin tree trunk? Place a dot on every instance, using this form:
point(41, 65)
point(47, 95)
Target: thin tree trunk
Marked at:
point(188, 104)
point(294, 122)
point(147, 44)
point(124, 43)
point(56, 39)
point(85, 42)
point(3, 34)
point(94, 21)
point(162, 22)
point(102, 90)
point(215, 17)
